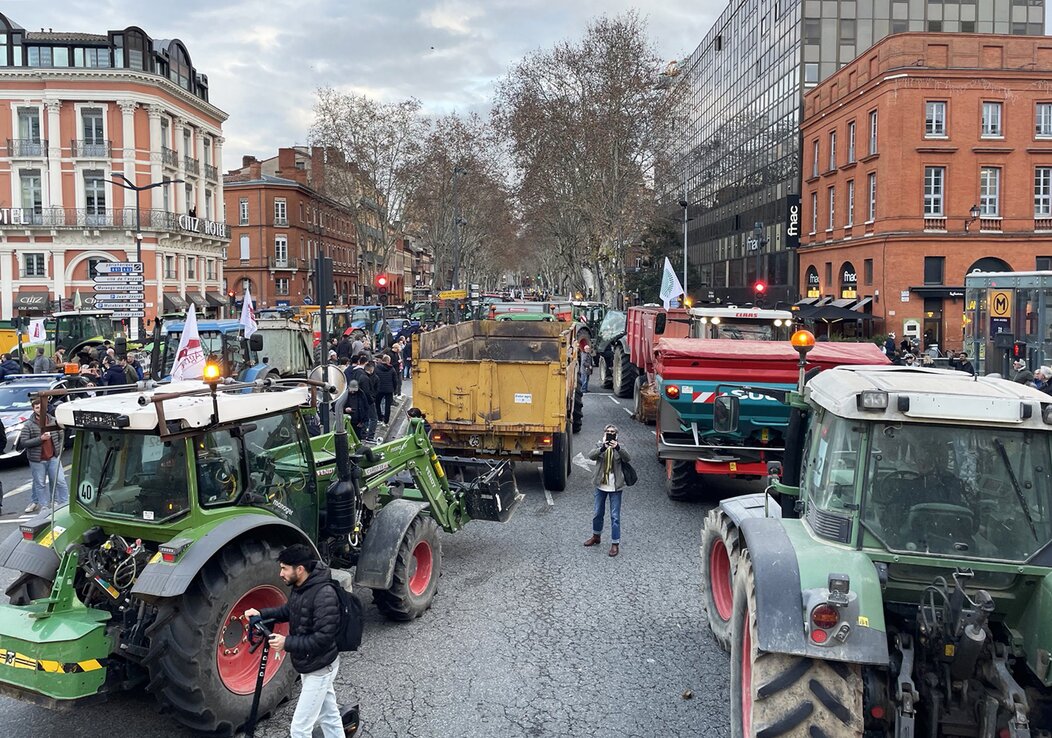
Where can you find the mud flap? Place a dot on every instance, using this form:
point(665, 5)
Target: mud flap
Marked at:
point(376, 562)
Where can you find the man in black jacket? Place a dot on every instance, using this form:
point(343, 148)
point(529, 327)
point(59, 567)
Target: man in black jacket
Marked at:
point(385, 388)
point(313, 615)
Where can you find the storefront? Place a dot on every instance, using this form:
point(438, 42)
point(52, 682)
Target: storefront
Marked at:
point(814, 285)
point(174, 304)
point(32, 303)
point(848, 281)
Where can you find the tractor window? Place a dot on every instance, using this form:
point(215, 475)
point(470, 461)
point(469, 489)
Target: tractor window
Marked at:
point(132, 475)
point(219, 476)
point(964, 492)
point(276, 453)
point(831, 463)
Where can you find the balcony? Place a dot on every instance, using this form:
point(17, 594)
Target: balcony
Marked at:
point(991, 224)
point(169, 157)
point(290, 264)
point(934, 223)
point(92, 149)
point(120, 218)
point(281, 221)
point(1043, 223)
point(192, 166)
point(211, 173)
point(27, 148)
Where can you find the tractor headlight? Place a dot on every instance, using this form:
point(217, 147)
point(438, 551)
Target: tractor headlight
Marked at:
point(1046, 414)
point(872, 400)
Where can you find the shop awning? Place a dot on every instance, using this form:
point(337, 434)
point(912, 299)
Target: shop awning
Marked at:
point(217, 299)
point(198, 299)
point(174, 303)
point(861, 306)
point(938, 291)
point(830, 314)
point(29, 300)
point(843, 302)
point(808, 301)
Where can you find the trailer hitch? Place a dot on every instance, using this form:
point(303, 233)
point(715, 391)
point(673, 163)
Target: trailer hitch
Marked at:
point(906, 695)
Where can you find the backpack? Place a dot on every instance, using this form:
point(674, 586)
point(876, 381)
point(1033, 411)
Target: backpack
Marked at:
point(352, 620)
point(629, 473)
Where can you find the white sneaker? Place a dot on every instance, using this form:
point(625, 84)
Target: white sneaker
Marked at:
point(33, 507)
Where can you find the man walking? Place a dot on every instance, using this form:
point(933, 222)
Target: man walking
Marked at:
point(313, 615)
point(609, 481)
point(42, 364)
point(44, 451)
point(385, 389)
point(587, 363)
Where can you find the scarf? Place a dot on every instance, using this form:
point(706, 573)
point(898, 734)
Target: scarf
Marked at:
point(608, 464)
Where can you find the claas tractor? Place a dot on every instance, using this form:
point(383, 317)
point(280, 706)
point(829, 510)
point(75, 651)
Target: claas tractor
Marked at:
point(182, 497)
point(895, 579)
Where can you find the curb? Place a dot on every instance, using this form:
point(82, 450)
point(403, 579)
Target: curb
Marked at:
point(398, 416)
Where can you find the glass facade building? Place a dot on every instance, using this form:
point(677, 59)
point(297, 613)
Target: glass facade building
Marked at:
point(739, 154)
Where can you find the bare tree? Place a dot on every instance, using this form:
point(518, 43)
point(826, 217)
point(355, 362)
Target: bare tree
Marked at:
point(373, 153)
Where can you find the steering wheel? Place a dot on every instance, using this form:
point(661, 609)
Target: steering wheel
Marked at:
point(888, 490)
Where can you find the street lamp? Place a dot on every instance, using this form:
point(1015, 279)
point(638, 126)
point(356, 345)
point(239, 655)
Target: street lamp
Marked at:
point(974, 215)
point(138, 190)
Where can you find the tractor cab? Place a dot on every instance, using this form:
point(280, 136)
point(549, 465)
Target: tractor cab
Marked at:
point(223, 340)
point(75, 330)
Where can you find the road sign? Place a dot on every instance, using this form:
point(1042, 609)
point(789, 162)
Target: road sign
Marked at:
point(130, 296)
point(129, 313)
point(453, 295)
point(118, 287)
point(1001, 303)
point(119, 267)
point(101, 305)
point(107, 278)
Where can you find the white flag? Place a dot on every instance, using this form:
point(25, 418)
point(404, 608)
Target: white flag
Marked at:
point(248, 315)
point(189, 357)
point(37, 333)
point(670, 285)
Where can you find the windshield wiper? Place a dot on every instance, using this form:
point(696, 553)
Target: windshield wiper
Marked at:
point(1016, 487)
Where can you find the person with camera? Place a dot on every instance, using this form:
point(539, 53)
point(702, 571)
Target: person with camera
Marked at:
point(609, 482)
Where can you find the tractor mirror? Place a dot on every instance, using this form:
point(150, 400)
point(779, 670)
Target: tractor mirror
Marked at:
point(255, 342)
point(659, 324)
point(725, 414)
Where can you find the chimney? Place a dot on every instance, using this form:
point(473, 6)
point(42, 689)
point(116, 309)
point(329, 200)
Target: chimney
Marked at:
point(286, 162)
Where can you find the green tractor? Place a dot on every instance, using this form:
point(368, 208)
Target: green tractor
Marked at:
point(182, 497)
point(896, 577)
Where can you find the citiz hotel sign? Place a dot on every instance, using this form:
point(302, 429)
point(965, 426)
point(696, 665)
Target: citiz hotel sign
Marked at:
point(192, 224)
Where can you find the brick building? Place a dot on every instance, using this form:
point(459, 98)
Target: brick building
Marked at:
point(927, 157)
point(280, 222)
point(78, 111)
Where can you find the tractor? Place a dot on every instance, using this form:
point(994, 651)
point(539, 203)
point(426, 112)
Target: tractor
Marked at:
point(895, 579)
point(183, 496)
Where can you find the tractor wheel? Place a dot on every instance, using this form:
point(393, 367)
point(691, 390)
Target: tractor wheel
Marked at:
point(28, 587)
point(680, 479)
point(556, 464)
point(606, 380)
point(417, 569)
point(719, 554)
point(577, 414)
point(199, 662)
point(774, 694)
point(624, 374)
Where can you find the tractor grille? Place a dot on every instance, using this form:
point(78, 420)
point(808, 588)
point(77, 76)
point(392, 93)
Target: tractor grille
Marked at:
point(827, 525)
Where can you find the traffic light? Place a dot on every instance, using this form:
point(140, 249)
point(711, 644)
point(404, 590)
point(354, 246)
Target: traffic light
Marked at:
point(381, 288)
point(1019, 350)
point(759, 288)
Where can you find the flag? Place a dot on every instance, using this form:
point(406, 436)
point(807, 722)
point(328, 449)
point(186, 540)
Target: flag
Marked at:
point(670, 285)
point(189, 357)
point(77, 301)
point(248, 315)
point(37, 333)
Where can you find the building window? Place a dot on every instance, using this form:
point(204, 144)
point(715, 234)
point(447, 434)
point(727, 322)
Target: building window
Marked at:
point(94, 196)
point(832, 208)
point(191, 267)
point(1043, 263)
point(872, 131)
point(935, 118)
point(29, 143)
point(871, 211)
point(851, 142)
point(33, 265)
point(39, 56)
point(867, 272)
point(166, 134)
point(850, 202)
point(989, 192)
point(169, 267)
point(832, 150)
point(242, 211)
point(208, 206)
point(32, 196)
point(811, 73)
point(191, 206)
point(934, 190)
point(992, 120)
point(934, 267)
point(301, 211)
point(829, 274)
point(245, 248)
point(814, 159)
point(814, 212)
point(1043, 120)
point(281, 251)
point(281, 285)
point(281, 214)
point(1043, 192)
point(210, 269)
point(94, 137)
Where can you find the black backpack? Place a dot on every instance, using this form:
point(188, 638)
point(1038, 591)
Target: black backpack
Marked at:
point(352, 621)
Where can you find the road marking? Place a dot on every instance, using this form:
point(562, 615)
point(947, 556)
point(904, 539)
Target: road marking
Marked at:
point(548, 496)
point(614, 400)
point(654, 432)
point(627, 410)
point(29, 485)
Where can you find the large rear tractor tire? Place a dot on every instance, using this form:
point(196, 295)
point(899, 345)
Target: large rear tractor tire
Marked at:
point(577, 414)
point(606, 378)
point(199, 663)
point(556, 463)
point(774, 694)
point(624, 374)
point(681, 481)
point(417, 569)
point(719, 554)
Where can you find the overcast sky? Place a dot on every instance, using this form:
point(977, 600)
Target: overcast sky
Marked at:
point(265, 58)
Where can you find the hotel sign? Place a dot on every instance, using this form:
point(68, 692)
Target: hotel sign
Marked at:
point(204, 227)
point(17, 216)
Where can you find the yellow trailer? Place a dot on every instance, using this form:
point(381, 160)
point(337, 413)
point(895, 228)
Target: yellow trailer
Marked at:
point(501, 390)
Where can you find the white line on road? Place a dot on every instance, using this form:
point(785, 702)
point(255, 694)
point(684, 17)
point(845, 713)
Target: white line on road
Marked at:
point(28, 485)
point(627, 410)
point(614, 400)
point(548, 496)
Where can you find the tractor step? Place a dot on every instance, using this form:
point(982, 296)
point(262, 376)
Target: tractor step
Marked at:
point(489, 487)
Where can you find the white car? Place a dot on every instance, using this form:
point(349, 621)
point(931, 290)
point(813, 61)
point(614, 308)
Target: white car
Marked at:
point(15, 408)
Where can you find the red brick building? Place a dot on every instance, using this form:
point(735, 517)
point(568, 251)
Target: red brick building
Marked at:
point(927, 157)
point(279, 223)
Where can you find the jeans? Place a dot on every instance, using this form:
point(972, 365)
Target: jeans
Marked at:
point(317, 704)
point(584, 381)
point(615, 514)
point(47, 475)
point(383, 405)
point(370, 424)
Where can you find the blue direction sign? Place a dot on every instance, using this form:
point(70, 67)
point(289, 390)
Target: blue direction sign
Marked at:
point(133, 296)
point(119, 267)
point(103, 305)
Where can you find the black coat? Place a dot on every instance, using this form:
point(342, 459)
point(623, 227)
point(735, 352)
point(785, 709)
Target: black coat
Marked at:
point(115, 376)
point(358, 407)
point(366, 383)
point(385, 379)
point(8, 368)
point(313, 615)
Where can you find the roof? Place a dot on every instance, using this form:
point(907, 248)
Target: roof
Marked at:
point(67, 36)
point(824, 354)
point(929, 395)
point(740, 312)
point(191, 411)
point(232, 180)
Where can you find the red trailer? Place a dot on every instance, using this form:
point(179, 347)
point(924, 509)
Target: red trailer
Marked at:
point(636, 370)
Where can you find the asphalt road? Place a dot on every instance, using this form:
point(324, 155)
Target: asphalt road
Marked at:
point(531, 634)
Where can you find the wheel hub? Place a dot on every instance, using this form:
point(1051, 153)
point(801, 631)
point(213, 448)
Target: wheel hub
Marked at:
point(420, 567)
point(236, 665)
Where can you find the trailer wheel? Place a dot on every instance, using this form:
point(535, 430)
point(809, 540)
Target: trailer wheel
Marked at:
point(719, 554)
point(680, 479)
point(556, 463)
point(199, 664)
point(624, 374)
point(417, 569)
point(578, 410)
point(774, 694)
point(605, 378)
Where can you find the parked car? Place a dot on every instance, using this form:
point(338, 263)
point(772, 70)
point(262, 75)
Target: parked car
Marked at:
point(15, 393)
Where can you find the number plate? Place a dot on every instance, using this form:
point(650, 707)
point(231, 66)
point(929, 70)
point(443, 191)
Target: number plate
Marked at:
point(89, 419)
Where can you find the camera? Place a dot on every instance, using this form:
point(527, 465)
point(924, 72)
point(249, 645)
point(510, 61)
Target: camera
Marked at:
point(610, 437)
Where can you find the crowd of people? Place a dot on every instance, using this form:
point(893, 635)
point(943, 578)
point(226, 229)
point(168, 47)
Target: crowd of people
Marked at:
point(97, 365)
